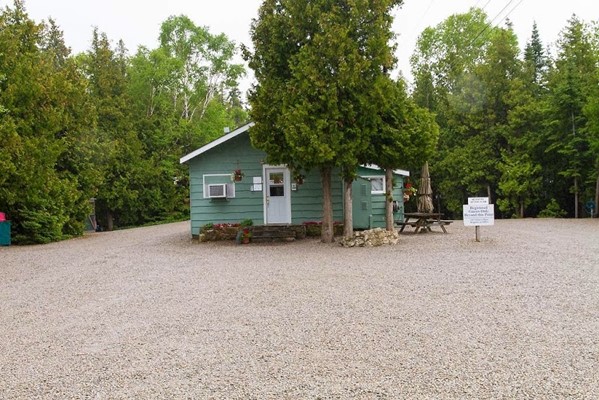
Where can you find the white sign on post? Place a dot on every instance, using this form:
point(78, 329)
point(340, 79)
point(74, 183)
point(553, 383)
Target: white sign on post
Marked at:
point(479, 215)
point(478, 212)
point(477, 201)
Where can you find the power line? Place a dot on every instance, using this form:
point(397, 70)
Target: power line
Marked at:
point(426, 11)
point(502, 10)
point(486, 4)
point(512, 10)
point(497, 16)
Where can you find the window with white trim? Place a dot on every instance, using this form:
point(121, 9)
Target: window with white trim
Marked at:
point(218, 186)
point(377, 184)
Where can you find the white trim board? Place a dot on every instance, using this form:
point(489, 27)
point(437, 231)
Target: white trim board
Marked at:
point(401, 172)
point(216, 142)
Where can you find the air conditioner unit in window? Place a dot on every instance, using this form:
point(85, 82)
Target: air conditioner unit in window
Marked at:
point(217, 191)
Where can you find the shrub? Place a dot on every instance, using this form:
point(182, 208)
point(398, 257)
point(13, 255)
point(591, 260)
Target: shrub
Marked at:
point(552, 210)
point(246, 222)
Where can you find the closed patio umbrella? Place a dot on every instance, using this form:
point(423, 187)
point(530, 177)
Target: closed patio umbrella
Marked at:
point(425, 192)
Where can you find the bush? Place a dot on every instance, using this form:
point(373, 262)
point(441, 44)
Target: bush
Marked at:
point(246, 222)
point(215, 232)
point(552, 210)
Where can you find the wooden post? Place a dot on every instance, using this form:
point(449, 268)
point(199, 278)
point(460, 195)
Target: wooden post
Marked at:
point(477, 230)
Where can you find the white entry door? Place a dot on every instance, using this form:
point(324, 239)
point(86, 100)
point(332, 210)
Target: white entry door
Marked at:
point(277, 196)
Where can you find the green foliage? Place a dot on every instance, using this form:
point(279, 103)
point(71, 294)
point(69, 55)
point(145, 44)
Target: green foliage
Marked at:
point(320, 68)
point(316, 101)
point(519, 183)
point(572, 87)
point(446, 53)
point(518, 129)
point(104, 125)
point(45, 185)
point(464, 78)
point(408, 134)
point(154, 107)
point(552, 210)
point(246, 222)
point(186, 89)
point(536, 63)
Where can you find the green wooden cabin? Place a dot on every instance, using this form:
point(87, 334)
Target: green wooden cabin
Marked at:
point(271, 194)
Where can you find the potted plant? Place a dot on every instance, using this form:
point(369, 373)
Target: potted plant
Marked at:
point(299, 178)
point(245, 235)
point(237, 175)
point(245, 231)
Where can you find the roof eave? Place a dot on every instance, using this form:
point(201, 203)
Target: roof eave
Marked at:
point(216, 142)
point(401, 172)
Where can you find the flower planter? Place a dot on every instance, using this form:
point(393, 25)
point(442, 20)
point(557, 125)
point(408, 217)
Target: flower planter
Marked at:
point(237, 175)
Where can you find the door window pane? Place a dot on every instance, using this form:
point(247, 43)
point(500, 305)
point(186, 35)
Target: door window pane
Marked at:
point(277, 191)
point(276, 178)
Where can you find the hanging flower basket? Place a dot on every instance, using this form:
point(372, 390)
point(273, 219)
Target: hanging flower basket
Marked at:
point(237, 175)
point(409, 191)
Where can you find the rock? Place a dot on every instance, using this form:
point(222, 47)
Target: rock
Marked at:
point(371, 238)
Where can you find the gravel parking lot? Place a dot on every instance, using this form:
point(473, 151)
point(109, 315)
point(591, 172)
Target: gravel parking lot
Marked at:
point(147, 313)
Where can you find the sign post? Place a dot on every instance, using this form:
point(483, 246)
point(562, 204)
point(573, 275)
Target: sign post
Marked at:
point(478, 212)
point(590, 207)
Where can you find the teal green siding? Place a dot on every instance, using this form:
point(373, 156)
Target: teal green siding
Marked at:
point(306, 199)
point(361, 203)
point(377, 207)
point(237, 153)
point(224, 159)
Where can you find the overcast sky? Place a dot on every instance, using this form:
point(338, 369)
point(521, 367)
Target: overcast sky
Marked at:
point(137, 22)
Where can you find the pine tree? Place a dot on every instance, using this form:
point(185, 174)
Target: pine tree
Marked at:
point(43, 187)
point(571, 83)
point(319, 65)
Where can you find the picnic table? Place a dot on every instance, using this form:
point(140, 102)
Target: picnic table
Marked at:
point(422, 222)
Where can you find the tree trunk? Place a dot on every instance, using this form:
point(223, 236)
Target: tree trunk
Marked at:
point(109, 221)
point(348, 219)
point(576, 197)
point(389, 223)
point(521, 208)
point(596, 196)
point(327, 234)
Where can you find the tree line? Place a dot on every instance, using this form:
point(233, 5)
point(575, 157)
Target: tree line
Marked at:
point(104, 124)
point(111, 126)
point(522, 129)
point(519, 128)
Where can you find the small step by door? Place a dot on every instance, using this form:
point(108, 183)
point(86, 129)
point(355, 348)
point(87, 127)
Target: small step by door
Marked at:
point(277, 195)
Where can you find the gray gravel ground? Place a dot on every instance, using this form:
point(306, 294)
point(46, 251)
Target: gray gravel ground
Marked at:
point(147, 313)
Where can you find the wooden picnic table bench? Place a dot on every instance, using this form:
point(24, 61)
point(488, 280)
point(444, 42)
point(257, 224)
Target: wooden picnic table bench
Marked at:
point(423, 222)
point(403, 224)
point(438, 222)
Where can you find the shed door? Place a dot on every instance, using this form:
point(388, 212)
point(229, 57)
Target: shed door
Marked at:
point(277, 196)
point(361, 203)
